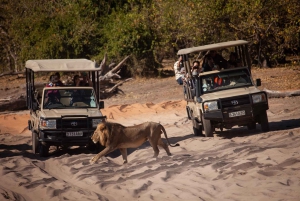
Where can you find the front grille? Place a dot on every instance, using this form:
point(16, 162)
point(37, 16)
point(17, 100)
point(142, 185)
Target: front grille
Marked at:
point(80, 123)
point(235, 101)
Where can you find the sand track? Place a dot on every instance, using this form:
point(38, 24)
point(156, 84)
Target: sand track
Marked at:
point(236, 164)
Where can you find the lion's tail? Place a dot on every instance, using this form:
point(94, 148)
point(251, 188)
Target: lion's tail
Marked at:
point(165, 133)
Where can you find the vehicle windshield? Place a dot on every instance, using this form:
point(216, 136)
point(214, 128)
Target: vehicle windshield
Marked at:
point(225, 80)
point(69, 98)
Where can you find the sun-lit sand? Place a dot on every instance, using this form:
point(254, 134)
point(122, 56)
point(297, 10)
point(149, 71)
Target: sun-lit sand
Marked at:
point(234, 165)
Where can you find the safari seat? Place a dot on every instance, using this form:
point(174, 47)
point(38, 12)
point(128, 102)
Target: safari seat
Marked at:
point(80, 104)
point(65, 101)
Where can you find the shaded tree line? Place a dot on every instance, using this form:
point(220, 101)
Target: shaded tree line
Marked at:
point(148, 30)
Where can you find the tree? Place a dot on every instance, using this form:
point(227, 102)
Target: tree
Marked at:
point(148, 30)
point(271, 26)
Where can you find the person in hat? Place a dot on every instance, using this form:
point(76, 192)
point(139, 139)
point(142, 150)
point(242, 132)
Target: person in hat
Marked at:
point(179, 71)
point(59, 82)
point(219, 61)
point(52, 96)
point(233, 60)
point(80, 81)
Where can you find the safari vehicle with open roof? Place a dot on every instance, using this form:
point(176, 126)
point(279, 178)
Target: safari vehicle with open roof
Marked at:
point(223, 97)
point(62, 116)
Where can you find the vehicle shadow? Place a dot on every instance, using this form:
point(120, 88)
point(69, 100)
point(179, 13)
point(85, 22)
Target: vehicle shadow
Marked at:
point(14, 150)
point(25, 150)
point(274, 126)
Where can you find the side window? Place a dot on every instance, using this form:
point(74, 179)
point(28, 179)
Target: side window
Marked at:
point(207, 84)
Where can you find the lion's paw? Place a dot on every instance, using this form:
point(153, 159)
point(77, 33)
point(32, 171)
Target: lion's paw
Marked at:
point(92, 162)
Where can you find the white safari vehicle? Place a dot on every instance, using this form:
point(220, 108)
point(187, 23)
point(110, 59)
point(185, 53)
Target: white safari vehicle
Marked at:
point(71, 119)
point(234, 101)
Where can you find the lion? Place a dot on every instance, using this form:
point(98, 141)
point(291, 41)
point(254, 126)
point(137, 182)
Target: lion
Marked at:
point(116, 136)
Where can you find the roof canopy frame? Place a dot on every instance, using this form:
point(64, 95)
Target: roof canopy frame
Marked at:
point(214, 46)
point(62, 65)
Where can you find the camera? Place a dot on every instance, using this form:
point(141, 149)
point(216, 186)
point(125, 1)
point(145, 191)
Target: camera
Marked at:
point(181, 64)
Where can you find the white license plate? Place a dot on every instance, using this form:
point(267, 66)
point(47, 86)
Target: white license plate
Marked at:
point(237, 113)
point(74, 134)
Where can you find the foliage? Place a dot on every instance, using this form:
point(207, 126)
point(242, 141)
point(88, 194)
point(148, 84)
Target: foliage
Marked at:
point(148, 30)
point(272, 26)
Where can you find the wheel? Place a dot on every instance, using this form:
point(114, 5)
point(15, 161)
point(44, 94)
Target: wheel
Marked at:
point(208, 130)
point(35, 142)
point(197, 131)
point(197, 126)
point(251, 126)
point(264, 123)
point(44, 150)
point(188, 111)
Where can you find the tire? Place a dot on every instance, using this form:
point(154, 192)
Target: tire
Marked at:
point(188, 111)
point(44, 150)
point(35, 142)
point(264, 122)
point(208, 130)
point(197, 126)
point(251, 126)
point(197, 131)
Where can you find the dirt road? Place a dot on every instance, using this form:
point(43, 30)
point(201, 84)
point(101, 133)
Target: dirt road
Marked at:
point(235, 164)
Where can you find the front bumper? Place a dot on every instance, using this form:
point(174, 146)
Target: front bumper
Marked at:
point(251, 113)
point(56, 137)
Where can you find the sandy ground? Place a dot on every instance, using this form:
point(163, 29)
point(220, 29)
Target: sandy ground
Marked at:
point(235, 164)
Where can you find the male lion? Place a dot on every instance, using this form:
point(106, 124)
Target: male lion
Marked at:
point(116, 136)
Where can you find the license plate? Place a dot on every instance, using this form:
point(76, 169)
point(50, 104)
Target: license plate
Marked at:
point(237, 113)
point(74, 134)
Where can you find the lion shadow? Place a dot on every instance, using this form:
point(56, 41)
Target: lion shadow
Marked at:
point(25, 149)
point(146, 145)
point(77, 150)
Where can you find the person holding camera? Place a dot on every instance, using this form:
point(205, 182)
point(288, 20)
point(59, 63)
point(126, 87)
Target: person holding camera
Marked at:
point(52, 96)
point(179, 71)
point(80, 81)
point(83, 81)
point(196, 68)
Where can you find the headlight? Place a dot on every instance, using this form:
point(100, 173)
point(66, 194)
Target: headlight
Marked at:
point(48, 124)
point(257, 98)
point(209, 106)
point(96, 122)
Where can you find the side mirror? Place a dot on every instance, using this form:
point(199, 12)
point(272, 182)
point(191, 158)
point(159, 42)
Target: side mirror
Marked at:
point(101, 104)
point(199, 99)
point(29, 125)
point(258, 82)
point(35, 106)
